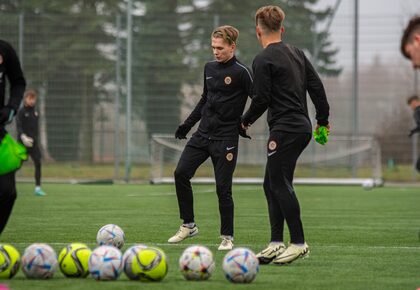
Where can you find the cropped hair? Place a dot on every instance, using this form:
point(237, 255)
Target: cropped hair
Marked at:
point(412, 99)
point(228, 33)
point(270, 18)
point(412, 28)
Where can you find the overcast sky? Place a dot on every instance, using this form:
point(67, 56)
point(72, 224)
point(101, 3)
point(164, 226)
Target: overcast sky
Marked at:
point(381, 23)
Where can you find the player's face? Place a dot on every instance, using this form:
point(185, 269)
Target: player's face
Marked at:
point(413, 50)
point(30, 101)
point(222, 50)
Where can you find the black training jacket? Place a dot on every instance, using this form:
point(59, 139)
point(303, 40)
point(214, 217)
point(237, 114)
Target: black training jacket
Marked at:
point(10, 67)
point(27, 122)
point(282, 76)
point(226, 89)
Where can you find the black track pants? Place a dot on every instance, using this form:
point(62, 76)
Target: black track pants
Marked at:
point(283, 150)
point(7, 197)
point(223, 155)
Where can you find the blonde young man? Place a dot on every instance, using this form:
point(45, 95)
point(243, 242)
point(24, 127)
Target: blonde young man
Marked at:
point(227, 85)
point(282, 76)
point(28, 133)
point(410, 41)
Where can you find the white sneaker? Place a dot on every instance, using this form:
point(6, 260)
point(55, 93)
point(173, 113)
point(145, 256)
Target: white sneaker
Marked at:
point(268, 254)
point(183, 233)
point(292, 253)
point(226, 244)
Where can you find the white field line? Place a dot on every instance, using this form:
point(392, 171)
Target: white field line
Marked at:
point(416, 248)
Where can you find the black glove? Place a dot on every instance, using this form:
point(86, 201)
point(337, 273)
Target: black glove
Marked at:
point(415, 130)
point(242, 132)
point(6, 115)
point(182, 131)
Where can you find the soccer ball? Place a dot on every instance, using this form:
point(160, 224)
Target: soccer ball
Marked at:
point(149, 264)
point(197, 263)
point(368, 184)
point(129, 257)
point(73, 260)
point(105, 263)
point(240, 265)
point(9, 261)
point(39, 261)
point(111, 235)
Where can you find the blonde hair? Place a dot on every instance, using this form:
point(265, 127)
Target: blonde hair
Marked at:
point(228, 33)
point(29, 93)
point(270, 18)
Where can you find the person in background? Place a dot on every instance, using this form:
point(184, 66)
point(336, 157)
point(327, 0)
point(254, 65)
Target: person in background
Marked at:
point(28, 132)
point(414, 103)
point(410, 41)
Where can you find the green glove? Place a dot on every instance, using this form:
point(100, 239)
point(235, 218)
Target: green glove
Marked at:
point(321, 135)
point(12, 154)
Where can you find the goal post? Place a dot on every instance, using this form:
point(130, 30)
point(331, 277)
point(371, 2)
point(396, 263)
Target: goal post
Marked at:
point(344, 160)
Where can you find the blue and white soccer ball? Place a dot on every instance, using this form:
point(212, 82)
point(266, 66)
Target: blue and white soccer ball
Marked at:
point(240, 265)
point(39, 261)
point(105, 263)
point(111, 235)
point(130, 255)
point(197, 263)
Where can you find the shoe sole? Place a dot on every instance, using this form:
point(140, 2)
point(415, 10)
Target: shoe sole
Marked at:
point(265, 261)
point(302, 256)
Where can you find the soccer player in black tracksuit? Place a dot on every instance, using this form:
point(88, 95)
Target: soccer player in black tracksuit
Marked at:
point(414, 103)
point(282, 76)
point(27, 127)
point(10, 68)
point(227, 84)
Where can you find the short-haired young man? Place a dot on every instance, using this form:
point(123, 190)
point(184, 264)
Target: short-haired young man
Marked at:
point(28, 133)
point(410, 41)
point(227, 85)
point(282, 76)
point(11, 70)
point(414, 103)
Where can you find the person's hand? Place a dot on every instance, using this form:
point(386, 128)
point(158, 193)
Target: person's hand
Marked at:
point(26, 140)
point(6, 115)
point(242, 131)
point(327, 126)
point(182, 131)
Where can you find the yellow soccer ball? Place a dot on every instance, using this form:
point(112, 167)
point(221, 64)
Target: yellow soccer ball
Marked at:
point(150, 264)
point(73, 260)
point(9, 261)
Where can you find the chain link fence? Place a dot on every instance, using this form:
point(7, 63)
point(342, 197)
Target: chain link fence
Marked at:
point(78, 66)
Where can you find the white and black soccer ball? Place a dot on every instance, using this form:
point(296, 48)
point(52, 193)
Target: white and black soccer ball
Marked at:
point(130, 255)
point(368, 184)
point(105, 263)
point(240, 265)
point(197, 263)
point(111, 235)
point(39, 261)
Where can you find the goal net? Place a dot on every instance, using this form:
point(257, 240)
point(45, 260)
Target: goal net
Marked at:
point(343, 160)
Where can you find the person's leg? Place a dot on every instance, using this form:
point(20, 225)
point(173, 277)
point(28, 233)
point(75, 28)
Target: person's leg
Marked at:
point(224, 163)
point(284, 150)
point(194, 154)
point(276, 245)
point(7, 197)
point(418, 164)
point(36, 157)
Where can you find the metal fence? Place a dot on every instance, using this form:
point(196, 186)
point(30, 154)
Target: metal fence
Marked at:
point(78, 65)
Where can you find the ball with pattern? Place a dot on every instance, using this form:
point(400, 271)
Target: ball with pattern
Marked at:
point(73, 260)
point(150, 264)
point(105, 263)
point(240, 265)
point(9, 261)
point(130, 257)
point(197, 263)
point(111, 235)
point(39, 261)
